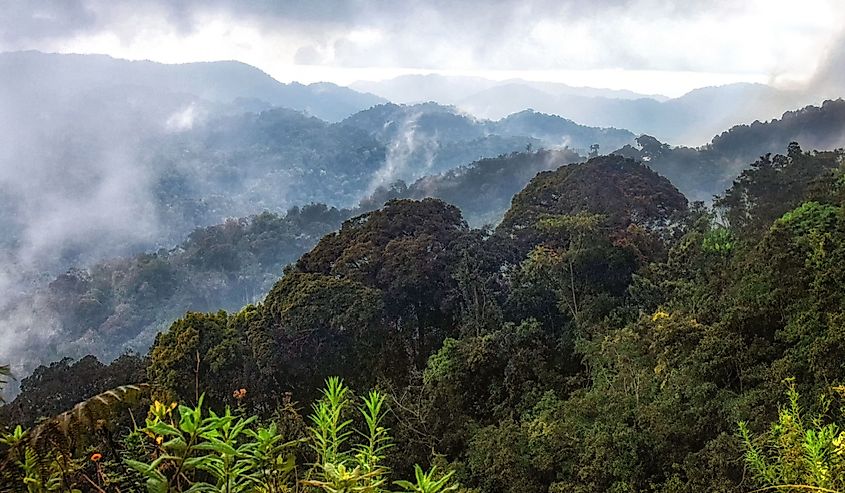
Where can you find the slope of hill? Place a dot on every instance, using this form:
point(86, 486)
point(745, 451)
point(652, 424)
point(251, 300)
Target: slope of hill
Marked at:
point(709, 170)
point(813, 127)
point(240, 165)
point(558, 132)
point(482, 190)
point(118, 305)
point(425, 122)
point(66, 76)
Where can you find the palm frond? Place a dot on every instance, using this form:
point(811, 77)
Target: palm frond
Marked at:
point(70, 425)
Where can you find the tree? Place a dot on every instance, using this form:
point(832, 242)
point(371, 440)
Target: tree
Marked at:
point(622, 190)
point(200, 353)
point(315, 325)
point(776, 184)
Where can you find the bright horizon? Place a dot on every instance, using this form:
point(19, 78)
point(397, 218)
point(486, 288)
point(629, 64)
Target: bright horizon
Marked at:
point(644, 46)
point(669, 84)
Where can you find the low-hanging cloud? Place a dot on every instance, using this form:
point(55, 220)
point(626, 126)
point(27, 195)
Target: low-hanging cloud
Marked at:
point(410, 154)
point(756, 36)
point(77, 185)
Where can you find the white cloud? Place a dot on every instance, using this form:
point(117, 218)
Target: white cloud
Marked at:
point(721, 40)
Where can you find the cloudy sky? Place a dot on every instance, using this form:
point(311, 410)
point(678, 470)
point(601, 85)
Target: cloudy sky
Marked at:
point(652, 46)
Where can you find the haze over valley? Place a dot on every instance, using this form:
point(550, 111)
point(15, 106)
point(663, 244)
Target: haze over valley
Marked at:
point(614, 221)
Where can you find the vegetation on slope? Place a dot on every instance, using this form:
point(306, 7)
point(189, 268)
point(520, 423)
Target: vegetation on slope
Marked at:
point(701, 173)
point(616, 347)
point(624, 192)
point(121, 304)
point(483, 189)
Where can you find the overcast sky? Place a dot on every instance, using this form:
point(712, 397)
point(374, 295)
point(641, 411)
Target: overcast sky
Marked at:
point(651, 46)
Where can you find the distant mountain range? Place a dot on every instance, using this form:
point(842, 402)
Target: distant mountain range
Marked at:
point(410, 89)
point(420, 125)
point(691, 119)
point(102, 158)
point(227, 82)
point(125, 156)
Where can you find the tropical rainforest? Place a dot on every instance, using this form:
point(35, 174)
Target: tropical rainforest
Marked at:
point(606, 335)
point(216, 282)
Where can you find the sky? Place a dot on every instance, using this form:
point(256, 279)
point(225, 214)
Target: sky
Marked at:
point(649, 46)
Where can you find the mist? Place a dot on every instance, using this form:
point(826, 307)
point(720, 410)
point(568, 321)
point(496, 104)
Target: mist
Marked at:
point(74, 190)
point(103, 158)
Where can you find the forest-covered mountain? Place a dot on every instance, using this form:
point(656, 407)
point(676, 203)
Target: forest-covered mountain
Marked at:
point(704, 172)
point(118, 305)
point(690, 119)
point(409, 295)
point(601, 338)
point(104, 308)
point(33, 75)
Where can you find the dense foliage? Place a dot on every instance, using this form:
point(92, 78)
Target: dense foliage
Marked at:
point(700, 173)
point(191, 449)
point(482, 189)
point(626, 193)
point(801, 451)
point(606, 336)
point(120, 305)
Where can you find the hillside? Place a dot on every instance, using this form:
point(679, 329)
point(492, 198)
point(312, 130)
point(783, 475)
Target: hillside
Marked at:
point(483, 189)
point(119, 305)
point(704, 172)
point(36, 75)
point(813, 127)
point(446, 124)
point(603, 312)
